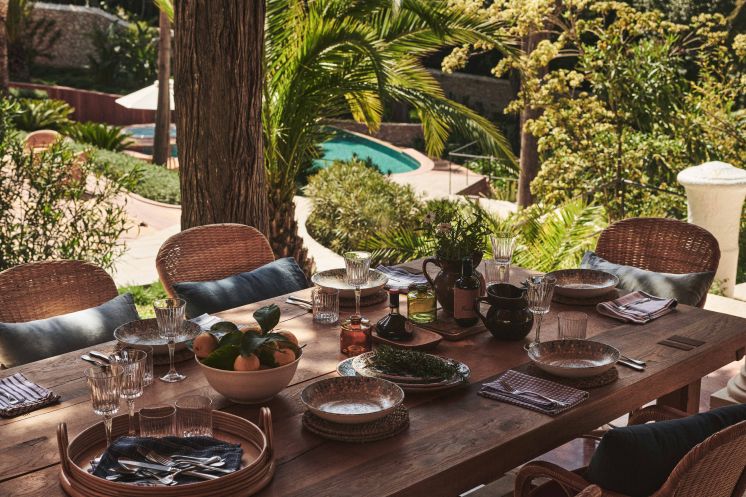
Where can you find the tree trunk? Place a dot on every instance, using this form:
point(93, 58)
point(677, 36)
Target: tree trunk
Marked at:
point(218, 97)
point(529, 160)
point(162, 138)
point(283, 231)
point(4, 78)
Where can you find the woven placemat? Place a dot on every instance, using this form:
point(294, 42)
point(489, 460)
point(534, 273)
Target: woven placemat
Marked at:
point(383, 428)
point(367, 300)
point(609, 376)
point(182, 355)
point(561, 299)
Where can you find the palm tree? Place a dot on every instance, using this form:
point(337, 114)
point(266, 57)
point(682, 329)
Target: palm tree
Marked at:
point(4, 76)
point(331, 58)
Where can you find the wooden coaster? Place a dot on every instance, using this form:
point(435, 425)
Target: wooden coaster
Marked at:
point(368, 300)
point(609, 376)
point(383, 428)
point(561, 299)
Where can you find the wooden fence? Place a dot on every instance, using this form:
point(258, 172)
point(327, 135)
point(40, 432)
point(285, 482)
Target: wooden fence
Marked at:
point(93, 105)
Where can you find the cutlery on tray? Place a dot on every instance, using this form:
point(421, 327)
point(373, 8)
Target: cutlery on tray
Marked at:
point(177, 462)
point(165, 469)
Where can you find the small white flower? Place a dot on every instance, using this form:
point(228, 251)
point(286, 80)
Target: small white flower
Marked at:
point(430, 218)
point(444, 228)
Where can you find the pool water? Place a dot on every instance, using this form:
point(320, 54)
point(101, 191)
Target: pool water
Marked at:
point(344, 145)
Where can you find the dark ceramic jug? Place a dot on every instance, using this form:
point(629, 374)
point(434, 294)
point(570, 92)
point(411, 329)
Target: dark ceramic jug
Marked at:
point(508, 317)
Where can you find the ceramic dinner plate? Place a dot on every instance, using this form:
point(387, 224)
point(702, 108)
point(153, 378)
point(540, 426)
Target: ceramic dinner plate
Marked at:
point(352, 400)
point(145, 332)
point(583, 283)
point(573, 358)
point(337, 278)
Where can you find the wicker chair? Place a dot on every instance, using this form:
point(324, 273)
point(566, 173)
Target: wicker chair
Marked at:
point(211, 252)
point(39, 290)
point(660, 245)
point(714, 468)
point(40, 140)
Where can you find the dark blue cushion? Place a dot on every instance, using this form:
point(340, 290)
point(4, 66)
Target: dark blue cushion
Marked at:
point(21, 343)
point(637, 460)
point(271, 280)
point(686, 288)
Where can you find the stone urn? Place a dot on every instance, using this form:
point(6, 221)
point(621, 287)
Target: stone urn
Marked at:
point(450, 271)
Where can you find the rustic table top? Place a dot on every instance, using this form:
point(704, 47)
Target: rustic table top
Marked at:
point(456, 439)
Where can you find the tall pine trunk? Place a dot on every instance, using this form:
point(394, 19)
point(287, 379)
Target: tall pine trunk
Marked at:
point(4, 76)
point(218, 96)
point(162, 138)
point(283, 229)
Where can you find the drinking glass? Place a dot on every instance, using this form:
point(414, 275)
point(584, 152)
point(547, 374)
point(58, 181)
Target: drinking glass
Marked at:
point(572, 325)
point(170, 316)
point(493, 273)
point(157, 421)
point(325, 305)
point(194, 416)
point(147, 377)
point(132, 362)
point(104, 384)
point(358, 265)
point(539, 296)
point(502, 253)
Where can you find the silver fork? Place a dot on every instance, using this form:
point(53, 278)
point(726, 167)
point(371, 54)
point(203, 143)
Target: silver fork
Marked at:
point(634, 361)
point(515, 391)
point(167, 461)
point(166, 480)
point(636, 302)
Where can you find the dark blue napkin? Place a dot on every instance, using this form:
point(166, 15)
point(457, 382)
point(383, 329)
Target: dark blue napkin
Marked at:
point(127, 448)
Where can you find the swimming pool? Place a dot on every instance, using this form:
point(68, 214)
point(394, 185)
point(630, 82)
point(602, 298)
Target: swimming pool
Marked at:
point(344, 145)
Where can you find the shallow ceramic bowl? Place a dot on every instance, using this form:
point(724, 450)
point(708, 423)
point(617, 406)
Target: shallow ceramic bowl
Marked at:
point(352, 400)
point(337, 278)
point(574, 358)
point(250, 387)
point(145, 332)
point(583, 283)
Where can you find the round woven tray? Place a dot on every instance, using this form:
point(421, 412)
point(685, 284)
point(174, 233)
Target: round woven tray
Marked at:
point(383, 428)
point(609, 376)
point(373, 299)
point(561, 299)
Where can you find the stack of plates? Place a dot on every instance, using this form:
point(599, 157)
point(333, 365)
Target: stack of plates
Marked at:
point(359, 366)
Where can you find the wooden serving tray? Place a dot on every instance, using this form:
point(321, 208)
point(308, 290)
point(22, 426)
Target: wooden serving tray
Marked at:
point(257, 464)
point(448, 329)
point(423, 339)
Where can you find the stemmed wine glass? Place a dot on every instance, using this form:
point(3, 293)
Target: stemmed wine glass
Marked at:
point(358, 267)
point(539, 295)
point(502, 253)
point(170, 316)
point(104, 384)
point(133, 365)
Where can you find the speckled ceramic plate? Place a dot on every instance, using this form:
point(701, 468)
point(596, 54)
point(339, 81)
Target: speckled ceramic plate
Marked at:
point(347, 368)
point(352, 400)
point(583, 283)
point(145, 332)
point(573, 358)
point(337, 278)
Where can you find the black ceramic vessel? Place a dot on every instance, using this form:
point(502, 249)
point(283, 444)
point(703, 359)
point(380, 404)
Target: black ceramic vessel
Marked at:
point(508, 317)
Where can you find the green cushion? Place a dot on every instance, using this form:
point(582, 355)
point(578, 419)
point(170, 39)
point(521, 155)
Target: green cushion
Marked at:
point(21, 343)
point(271, 280)
point(687, 288)
point(636, 460)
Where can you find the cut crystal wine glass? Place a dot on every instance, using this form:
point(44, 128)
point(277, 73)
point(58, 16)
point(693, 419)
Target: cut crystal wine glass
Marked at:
point(539, 295)
point(170, 316)
point(358, 266)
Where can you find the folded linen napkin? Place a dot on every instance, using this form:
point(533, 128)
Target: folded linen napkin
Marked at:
point(18, 395)
point(519, 383)
point(637, 307)
point(205, 321)
point(401, 278)
point(129, 448)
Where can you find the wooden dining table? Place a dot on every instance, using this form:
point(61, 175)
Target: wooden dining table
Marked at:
point(456, 439)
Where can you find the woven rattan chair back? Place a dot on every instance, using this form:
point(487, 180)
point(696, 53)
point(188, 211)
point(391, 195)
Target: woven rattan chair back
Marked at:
point(714, 468)
point(211, 252)
point(39, 290)
point(660, 245)
point(41, 139)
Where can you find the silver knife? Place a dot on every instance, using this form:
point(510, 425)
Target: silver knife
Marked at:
point(631, 365)
point(166, 469)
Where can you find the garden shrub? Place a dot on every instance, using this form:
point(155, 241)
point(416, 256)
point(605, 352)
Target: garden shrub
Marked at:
point(32, 114)
point(49, 211)
point(353, 200)
point(144, 295)
point(99, 135)
point(125, 56)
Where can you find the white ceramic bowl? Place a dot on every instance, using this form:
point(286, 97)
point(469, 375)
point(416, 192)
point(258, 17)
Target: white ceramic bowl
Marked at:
point(250, 387)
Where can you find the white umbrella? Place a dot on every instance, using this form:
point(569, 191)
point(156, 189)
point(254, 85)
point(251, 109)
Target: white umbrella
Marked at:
point(145, 98)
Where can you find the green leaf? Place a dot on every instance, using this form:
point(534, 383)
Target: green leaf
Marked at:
point(222, 357)
point(251, 342)
point(224, 327)
point(232, 338)
point(284, 343)
point(267, 317)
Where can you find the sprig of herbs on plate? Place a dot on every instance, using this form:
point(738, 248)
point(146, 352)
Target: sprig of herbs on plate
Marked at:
point(389, 360)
